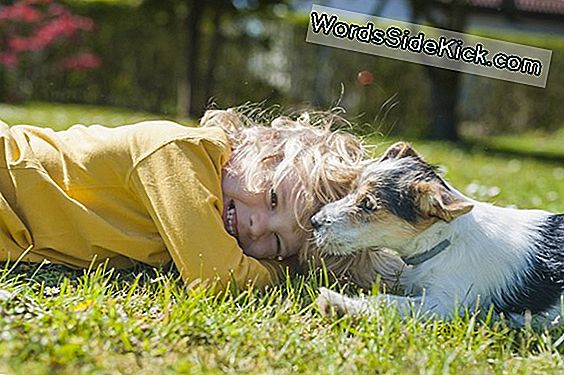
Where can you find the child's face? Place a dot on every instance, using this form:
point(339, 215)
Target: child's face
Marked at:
point(263, 224)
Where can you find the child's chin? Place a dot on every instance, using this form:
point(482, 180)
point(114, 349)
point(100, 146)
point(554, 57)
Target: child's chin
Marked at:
point(254, 254)
point(248, 252)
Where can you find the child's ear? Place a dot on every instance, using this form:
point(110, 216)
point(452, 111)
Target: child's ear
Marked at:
point(400, 150)
point(435, 200)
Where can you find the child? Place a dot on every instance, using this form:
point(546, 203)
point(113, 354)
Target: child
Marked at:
point(226, 201)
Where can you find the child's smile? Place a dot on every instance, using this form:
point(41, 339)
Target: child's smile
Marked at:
point(264, 224)
point(230, 218)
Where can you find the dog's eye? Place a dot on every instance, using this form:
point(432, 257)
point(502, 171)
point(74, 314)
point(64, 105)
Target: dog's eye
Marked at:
point(368, 204)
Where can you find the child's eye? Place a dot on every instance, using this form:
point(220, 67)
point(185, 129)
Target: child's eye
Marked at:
point(273, 199)
point(278, 246)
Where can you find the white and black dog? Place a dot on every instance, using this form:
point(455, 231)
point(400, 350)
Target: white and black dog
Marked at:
point(461, 254)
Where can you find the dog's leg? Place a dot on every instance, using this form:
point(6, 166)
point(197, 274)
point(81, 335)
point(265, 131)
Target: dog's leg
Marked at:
point(330, 302)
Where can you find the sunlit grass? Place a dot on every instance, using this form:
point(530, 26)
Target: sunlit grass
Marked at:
point(61, 116)
point(56, 320)
point(148, 322)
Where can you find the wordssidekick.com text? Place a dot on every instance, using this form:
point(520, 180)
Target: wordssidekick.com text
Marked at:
point(394, 37)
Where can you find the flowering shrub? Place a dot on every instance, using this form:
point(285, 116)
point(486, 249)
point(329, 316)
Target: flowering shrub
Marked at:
point(39, 30)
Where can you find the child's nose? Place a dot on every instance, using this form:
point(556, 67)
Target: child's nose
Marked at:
point(258, 225)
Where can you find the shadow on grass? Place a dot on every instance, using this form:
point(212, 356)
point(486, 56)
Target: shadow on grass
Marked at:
point(490, 147)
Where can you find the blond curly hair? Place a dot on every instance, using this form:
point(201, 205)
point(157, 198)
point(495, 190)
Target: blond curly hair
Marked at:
point(321, 162)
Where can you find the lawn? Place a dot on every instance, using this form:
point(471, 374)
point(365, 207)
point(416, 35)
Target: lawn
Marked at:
point(53, 319)
point(61, 116)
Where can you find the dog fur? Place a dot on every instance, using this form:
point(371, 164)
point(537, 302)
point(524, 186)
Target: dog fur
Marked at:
point(501, 258)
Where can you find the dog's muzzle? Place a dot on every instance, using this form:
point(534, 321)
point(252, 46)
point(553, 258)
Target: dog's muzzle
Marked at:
point(321, 223)
point(319, 220)
point(329, 229)
point(317, 223)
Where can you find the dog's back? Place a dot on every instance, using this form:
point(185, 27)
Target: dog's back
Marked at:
point(542, 284)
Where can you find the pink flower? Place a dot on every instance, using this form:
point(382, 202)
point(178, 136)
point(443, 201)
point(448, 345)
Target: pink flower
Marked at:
point(8, 59)
point(48, 23)
point(20, 12)
point(20, 44)
point(37, 1)
point(57, 10)
point(81, 61)
point(62, 27)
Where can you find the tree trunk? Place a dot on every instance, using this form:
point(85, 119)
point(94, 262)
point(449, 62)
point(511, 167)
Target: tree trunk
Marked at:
point(3, 95)
point(215, 47)
point(187, 85)
point(182, 100)
point(194, 18)
point(445, 84)
point(444, 98)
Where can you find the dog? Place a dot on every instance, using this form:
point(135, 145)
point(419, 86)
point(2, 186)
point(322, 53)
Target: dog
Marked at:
point(461, 255)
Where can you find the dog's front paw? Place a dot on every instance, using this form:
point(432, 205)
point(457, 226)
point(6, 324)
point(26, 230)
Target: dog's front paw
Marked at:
point(332, 303)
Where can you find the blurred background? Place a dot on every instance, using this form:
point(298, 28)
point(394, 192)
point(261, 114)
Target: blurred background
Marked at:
point(175, 57)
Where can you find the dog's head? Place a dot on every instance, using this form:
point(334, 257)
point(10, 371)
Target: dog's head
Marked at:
point(395, 198)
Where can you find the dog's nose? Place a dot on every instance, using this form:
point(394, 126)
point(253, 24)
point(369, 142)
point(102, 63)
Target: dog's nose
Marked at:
point(317, 221)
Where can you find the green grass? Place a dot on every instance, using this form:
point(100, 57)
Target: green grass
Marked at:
point(534, 142)
point(61, 116)
point(150, 324)
point(53, 319)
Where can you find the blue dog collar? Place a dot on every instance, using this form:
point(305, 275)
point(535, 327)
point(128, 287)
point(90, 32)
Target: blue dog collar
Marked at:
point(423, 257)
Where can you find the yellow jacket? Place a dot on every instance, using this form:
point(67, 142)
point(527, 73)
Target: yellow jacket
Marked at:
point(149, 192)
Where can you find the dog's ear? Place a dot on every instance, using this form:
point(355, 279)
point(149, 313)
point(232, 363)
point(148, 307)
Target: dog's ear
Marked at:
point(400, 150)
point(436, 200)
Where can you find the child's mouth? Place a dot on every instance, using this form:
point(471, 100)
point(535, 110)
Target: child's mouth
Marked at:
point(231, 219)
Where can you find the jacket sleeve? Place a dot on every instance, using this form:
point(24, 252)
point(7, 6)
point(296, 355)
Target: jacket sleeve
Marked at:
point(180, 186)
